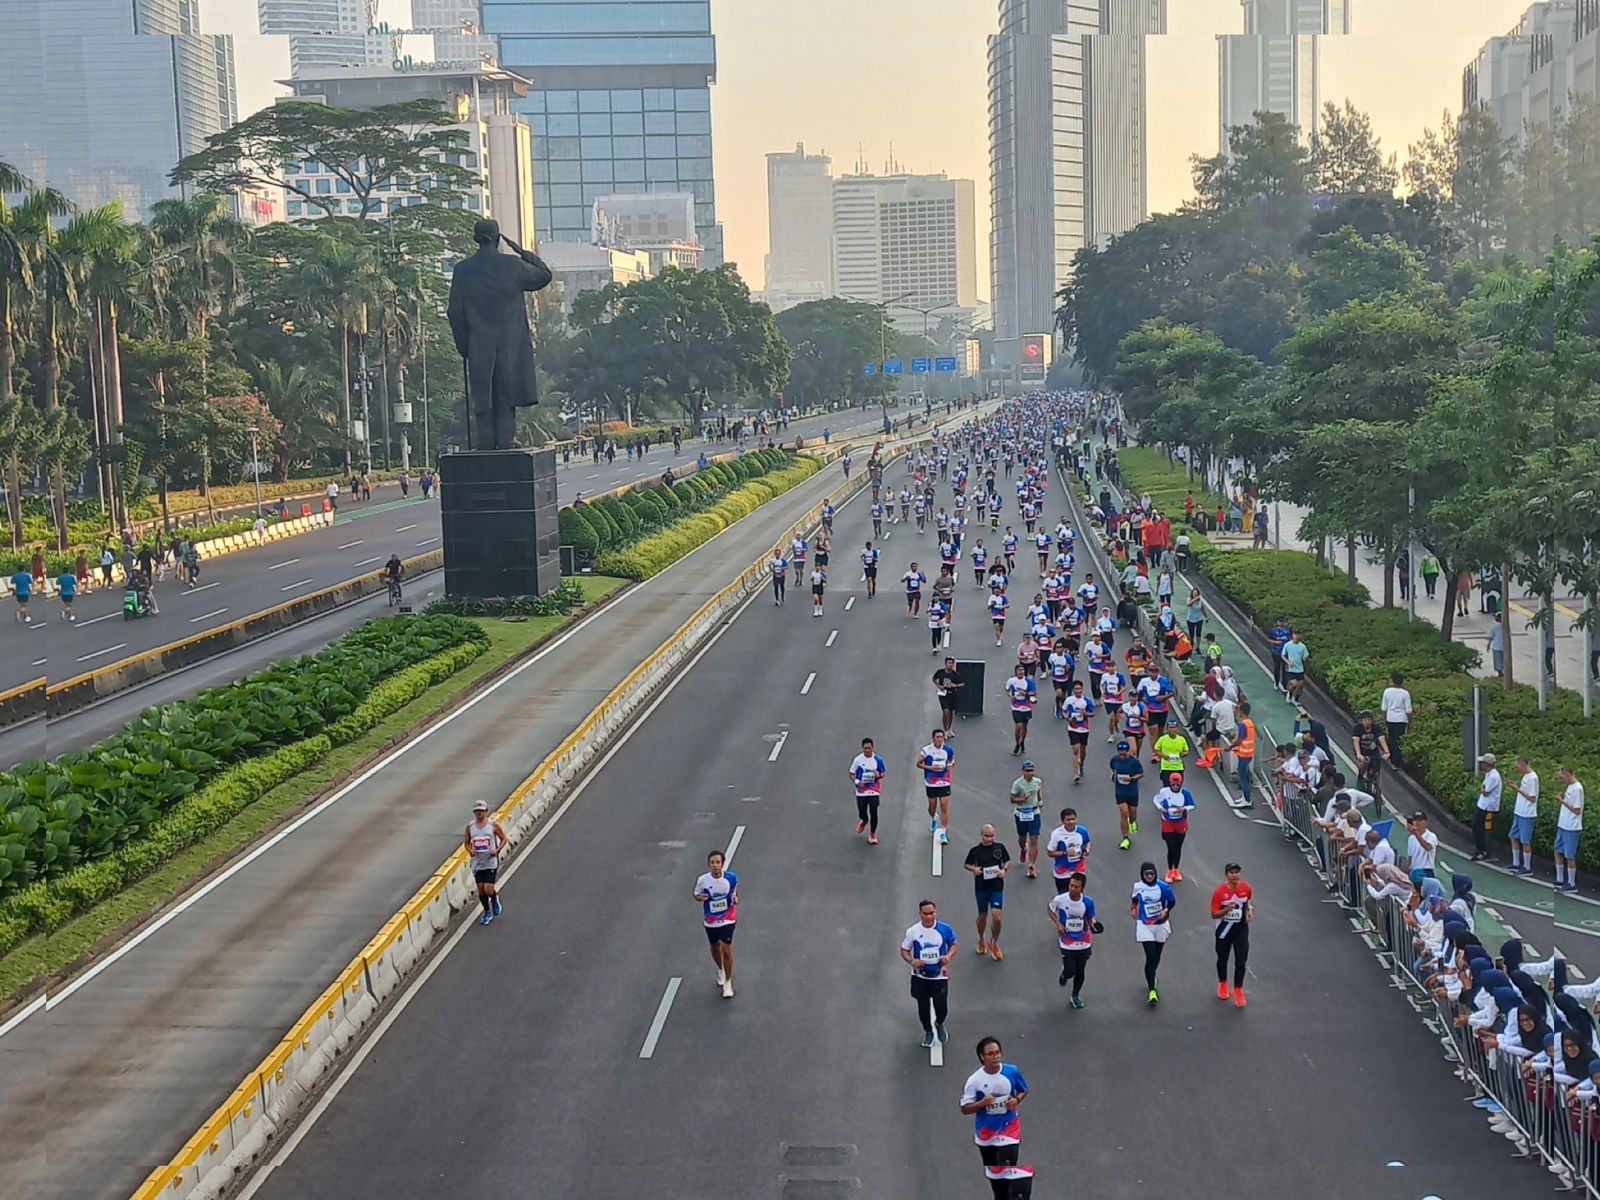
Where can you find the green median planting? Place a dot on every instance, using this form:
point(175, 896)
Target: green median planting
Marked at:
point(1355, 647)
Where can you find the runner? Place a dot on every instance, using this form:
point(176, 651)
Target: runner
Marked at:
point(22, 589)
point(947, 682)
point(67, 589)
point(799, 547)
point(1113, 695)
point(1078, 711)
point(938, 623)
point(999, 603)
point(869, 568)
point(980, 563)
point(1151, 907)
point(992, 1096)
point(1170, 749)
point(1027, 794)
point(988, 862)
point(1294, 655)
point(866, 774)
point(928, 946)
point(718, 893)
point(827, 515)
point(1068, 848)
point(1023, 694)
point(1233, 908)
point(1061, 666)
point(919, 505)
point(483, 841)
point(914, 579)
point(1072, 914)
point(1155, 689)
point(819, 584)
point(1126, 772)
point(877, 517)
point(936, 761)
point(1174, 802)
point(1009, 545)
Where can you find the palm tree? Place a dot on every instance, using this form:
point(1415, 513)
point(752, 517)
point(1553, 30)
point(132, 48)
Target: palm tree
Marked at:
point(202, 237)
point(300, 401)
point(16, 281)
point(337, 283)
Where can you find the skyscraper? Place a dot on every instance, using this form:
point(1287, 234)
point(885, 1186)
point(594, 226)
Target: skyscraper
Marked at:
point(1275, 65)
point(1067, 145)
point(621, 103)
point(799, 227)
point(324, 33)
point(173, 88)
point(907, 239)
point(454, 15)
point(1532, 74)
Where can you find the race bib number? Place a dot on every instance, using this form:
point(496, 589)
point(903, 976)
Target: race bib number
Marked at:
point(1152, 911)
point(991, 872)
point(1073, 924)
point(997, 1106)
point(717, 904)
point(482, 845)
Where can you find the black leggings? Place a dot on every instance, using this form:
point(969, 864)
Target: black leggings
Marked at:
point(777, 586)
point(867, 810)
point(937, 635)
point(1152, 961)
point(1006, 1189)
point(1237, 939)
point(1174, 843)
point(1074, 962)
point(934, 994)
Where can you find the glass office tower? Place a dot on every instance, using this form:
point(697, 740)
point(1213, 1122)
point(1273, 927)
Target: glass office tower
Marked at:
point(621, 103)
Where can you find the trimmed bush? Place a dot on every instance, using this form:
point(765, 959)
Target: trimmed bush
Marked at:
point(578, 533)
point(627, 524)
point(667, 497)
point(687, 492)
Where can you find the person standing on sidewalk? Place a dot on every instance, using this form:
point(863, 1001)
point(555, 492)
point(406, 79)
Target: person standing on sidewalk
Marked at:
point(1397, 708)
point(1430, 574)
point(1423, 845)
point(1497, 643)
point(1278, 634)
point(1569, 826)
point(1488, 803)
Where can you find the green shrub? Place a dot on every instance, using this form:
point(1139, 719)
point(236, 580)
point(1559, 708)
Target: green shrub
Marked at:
point(607, 530)
point(641, 509)
point(560, 599)
point(626, 523)
point(688, 492)
point(578, 533)
point(667, 496)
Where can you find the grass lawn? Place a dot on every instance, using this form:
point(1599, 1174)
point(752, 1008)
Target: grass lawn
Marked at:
point(50, 952)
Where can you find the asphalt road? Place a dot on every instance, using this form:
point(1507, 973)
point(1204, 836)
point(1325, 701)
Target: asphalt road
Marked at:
point(235, 585)
point(519, 1066)
point(127, 1062)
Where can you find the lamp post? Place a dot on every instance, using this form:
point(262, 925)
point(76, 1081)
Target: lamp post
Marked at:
point(926, 313)
point(255, 466)
point(883, 307)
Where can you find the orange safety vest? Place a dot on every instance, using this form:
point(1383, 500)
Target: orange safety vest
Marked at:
point(1245, 747)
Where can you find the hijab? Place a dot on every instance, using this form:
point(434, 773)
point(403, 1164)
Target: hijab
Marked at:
point(1462, 883)
point(1532, 1040)
point(1575, 1016)
point(1511, 953)
point(1532, 993)
point(1574, 1062)
point(1431, 888)
point(1148, 868)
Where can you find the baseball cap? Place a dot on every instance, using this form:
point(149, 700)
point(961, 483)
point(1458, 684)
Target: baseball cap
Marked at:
point(1027, 763)
point(1175, 777)
point(1487, 758)
point(480, 806)
point(1122, 745)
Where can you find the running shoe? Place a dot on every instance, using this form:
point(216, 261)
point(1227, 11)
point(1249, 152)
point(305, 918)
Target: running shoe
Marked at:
point(1062, 978)
point(1133, 827)
point(722, 978)
point(486, 918)
point(983, 947)
point(944, 1034)
point(1177, 874)
point(1077, 1002)
point(1154, 999)
point(1222, 989)
point(1032, 873)
point(933, 824)
point(727, 990)
point(861, 826)
point(1238, 998)
point(1123, 844)
point(944, 838)
point(927, 1041)
point(995, 952)
point(872, 839)
point(494, 905)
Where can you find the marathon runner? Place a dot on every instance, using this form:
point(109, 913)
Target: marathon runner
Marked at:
point(1113, 695)
point(992, 1096)
point(938, 623)
point(1078, 710)
point(819, 584)
point(869, 568)
point(1027, 795)
point(928, 947)
point(988, 863)
point(914, 579)
point(1174, 802)
point(718, 893)
point(1009, 545)
point(1151, 907)
point(779, 566)
point(1170, 749)
point(1068, 848)
point(1023, 694)
point(947, 682)
point(827, 515)
point(980, 563)
point(937, 759)
point(999, 603)
point(866, 775)
point(799, 547)
point(483, 841)
point(1233, 908)
point(1126, 772)
point(1061, 666)
point(1072, 914)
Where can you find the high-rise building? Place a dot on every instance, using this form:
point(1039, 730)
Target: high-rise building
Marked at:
point(799, 264)
point(621, 103)
point(659, 223)
point(1275, 64)
point(174, 87)
point(460, 18)
point(905, 240)
point(1531, 74)
point(324, 33)
point(1067, 145)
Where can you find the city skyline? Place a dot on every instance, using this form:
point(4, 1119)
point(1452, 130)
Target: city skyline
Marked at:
point(786, 76)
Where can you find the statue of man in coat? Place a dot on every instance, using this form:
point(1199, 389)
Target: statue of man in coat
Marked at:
point(489, 320)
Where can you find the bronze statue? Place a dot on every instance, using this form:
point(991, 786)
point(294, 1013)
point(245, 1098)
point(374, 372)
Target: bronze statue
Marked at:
point(489, 319)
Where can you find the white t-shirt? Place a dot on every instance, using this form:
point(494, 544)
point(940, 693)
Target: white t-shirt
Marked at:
point(927, 946)
point(1569, 819)
point(1382, 853)
point(1421, 849)
point(1396, 705)
point(1528, 795)
point(1489, 794)
point(1073, 841)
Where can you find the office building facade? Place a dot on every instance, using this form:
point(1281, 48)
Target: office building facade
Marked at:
point(322, 33)
point(1531, 74)
point(908, 241)
point(799, 264)
point(621, 103)
point(1067, 145)
point(461, 17)
point(1275, 65)
point(174, 87)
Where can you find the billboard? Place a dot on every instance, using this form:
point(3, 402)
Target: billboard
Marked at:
point(1036, 353)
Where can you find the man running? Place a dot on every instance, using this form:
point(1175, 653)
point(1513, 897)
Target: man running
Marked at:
point(988, 863)
point(718, 893)
point(67, 589)
point(1174, 803)
point(938, 622)
point(1068, 848)
point(778, 564)
point(1027, 794)
point(1023, 694)
point(1072, 913)
point(1294, 654)
point(914, 579)
point(937, 760)
point(799, 547)
point(1078, 711)
point(819, 584)
point(1170, 749)
point(1151, 906)
point(947, 682)
point(999, 603)
point(1233, 908)
point(869, 568)
point(483, 841)
point(928, 947)
point(992, 1096)
point(866, 774)
point(1126, 772)
point(22, 589)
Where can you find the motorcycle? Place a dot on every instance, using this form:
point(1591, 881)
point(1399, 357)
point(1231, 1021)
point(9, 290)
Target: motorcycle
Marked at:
point(135, 603)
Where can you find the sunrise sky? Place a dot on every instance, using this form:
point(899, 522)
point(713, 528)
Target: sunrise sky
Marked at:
point(843, 74)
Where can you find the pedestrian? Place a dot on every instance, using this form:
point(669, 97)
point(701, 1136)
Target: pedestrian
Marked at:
point(992, 1097)
point(988, 863)
point(483, 841)
point(1295, 653)
point(1430, 574)
point(1423, 844)
point(718, 892)
point(928, 947)
point(1487, 804)
point(1233, 908)
point(107, 560)
point(366, 485)
point(1523, 816)
point(1194, 615)
point(1463, 591)
point(1151, 906)
point(405, 481)
point(331, 494)
point(1569, 827)
point(1497, 642)
point(1397, 709)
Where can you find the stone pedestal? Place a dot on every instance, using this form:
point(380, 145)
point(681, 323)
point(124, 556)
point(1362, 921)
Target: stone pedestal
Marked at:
point(501, 532)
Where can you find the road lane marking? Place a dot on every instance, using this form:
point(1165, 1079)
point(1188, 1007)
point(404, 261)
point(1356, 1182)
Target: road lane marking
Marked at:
point(806, 686)
point(204, 587)
point(733, 845)
point(831, 636)
point(427, 541)
point(350, 545)
point(207, 616)
point(41, 623)
point(596, 475)
point(938, 855)
point(777, 746)
point(667, 997)
point(39, 662)
point(98, 653)
point(286, 563)
point(97, 620)
point(936, 1052)
point(849, 604)
point(365, 561)
point(289, 587)
point(406, 528)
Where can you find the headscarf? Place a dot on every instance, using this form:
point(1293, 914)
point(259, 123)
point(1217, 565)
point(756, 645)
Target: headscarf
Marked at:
point(1147, 867)
point(1389, 873)
point(1462, 883)
point(1431, 888)
point(1575, 1062)
point(1532, 993)
point(1576, 1017)
point(1511, 953)
point(1506, 1001)
point(1533, 1041)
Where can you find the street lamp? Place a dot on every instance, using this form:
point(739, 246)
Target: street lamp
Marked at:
point(883, 330)
point(255, 466)
point(926, 313)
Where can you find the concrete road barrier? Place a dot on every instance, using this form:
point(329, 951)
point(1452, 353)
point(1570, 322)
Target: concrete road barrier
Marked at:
point(246, 1128)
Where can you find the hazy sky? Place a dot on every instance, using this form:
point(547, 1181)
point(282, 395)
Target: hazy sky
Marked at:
point(843, 74)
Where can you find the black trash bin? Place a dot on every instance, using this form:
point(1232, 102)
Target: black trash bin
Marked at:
point(969, 697)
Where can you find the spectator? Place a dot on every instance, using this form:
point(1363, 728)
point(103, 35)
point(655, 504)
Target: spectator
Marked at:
point(1487, 804)
point(1497, 642)
point(1397, 709)
point(1569, 827)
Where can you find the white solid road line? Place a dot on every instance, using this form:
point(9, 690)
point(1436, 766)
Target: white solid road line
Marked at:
point(849, 604)
point(806, 686)
point(365, 561)
point(289, 587)
point(204, 587)
point(777, 746)
point(286, 563)
point(831, 636)
point(936, 1054)
point(39, 662)
point(350, 545)
point(733, 846)
point(97, 620)
point(471, 921)
point(406, 528)
point(667, 997)
point(98, 653)
point(206, 616)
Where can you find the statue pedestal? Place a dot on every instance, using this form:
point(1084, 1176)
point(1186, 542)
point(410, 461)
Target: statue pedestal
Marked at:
point(501, 532)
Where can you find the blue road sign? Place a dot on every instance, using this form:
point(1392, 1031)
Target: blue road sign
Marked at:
point(894, 367)
point(944, 364)
point(870, 369)
point(921, 366)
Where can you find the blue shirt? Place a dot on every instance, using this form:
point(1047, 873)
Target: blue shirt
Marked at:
point(1127, 764)
point(68, 583)
point(1003, 1125)
point(1294, 655)
point(1153, 901)
point(1279, 635)
point(22, 584)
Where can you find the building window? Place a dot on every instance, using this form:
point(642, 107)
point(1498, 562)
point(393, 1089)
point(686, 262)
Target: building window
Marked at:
point(661, 170)
point(658, 100)
point(342, 187)
point(472, 202)
point(324, 187)
point(594, 102)
point(564, 171)
point(597, 171)
point(627, 101)
point(629, 170)
point(353, 207)
point(563, 124)
point(660, 147)
point(564, 148)
point(596, 147)
point(593, 124)
point(694, 122)
point(694, 100)
point(295, 207)
point(310, 166)
point(561, 101)
point(695, 146)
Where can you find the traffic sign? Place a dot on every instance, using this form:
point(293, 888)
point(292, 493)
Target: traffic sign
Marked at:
point(870, 369)
point(894, 367)
point(921, 366)
point(944, 364)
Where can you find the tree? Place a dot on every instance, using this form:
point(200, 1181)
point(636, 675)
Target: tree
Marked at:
point(1579, 138)
point(1264, 160)
point(1347, 266)
point(830, 340)
point(302, 404)
point(198, 239)
point(1346, 156)
point(368, 150)
point(1537, 194)
point(1479, 185)
point(1432, 161)
point(16, 283)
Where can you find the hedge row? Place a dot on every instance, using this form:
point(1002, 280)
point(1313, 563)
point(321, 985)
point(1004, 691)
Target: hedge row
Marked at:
point(58, 561)
point(655, 552)
point(46, 904)
point(559, 600)
point(1355, 647)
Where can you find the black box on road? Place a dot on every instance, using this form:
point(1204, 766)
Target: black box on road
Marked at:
point(969, 697)
point(500, 528)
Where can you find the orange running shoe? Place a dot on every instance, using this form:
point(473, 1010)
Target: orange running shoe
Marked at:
point(1238, 998)
point(1222, 989)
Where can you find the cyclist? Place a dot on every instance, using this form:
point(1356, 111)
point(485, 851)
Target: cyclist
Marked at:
point(1372, 750)
point(393, 570)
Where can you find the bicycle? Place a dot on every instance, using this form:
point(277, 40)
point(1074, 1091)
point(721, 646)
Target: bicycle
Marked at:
point(393, 586)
